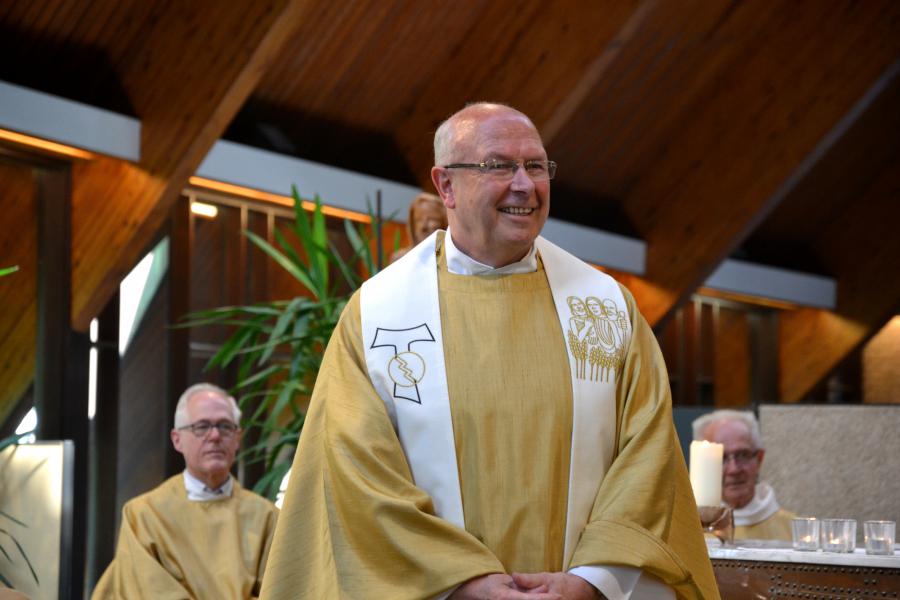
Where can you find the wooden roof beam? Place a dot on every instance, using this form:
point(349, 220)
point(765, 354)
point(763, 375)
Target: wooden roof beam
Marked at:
point(578, 95)
point(723, 174)
point(500, 67)
point(188, 77)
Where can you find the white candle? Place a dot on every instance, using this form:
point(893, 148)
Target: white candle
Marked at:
point(706, 472)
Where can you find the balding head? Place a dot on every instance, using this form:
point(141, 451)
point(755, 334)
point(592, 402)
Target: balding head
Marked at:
point(462, 127)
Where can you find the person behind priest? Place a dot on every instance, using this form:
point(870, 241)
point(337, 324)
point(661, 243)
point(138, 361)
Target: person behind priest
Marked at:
point(757, 514)
point(426, 215)
point(455, 446)
point(199, 534)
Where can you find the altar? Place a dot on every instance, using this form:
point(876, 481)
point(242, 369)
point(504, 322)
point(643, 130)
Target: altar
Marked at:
point(756, 569)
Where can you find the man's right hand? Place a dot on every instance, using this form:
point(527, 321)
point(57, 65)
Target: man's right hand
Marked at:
point(499, 586)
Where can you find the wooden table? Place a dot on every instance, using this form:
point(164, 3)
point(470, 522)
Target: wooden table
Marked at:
point(765, 570)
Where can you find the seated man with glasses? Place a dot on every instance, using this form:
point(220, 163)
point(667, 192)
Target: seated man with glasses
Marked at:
point(476, 432)
point(199, 534)
point(757, 514)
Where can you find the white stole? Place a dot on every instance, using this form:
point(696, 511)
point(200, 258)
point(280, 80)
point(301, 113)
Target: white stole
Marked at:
point(403, 341)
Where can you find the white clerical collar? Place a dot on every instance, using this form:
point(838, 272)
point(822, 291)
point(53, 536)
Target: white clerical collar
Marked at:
point(198, 492)
point(763, 506)
point(462, 264)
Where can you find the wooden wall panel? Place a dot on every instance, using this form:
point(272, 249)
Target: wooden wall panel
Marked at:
point(214, 268)
point(257, 263)
point(18, 292)
point(732, 359)
point(881, 377)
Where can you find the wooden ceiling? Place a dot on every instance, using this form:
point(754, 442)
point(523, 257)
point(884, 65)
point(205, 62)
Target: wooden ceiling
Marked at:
point(760, 129)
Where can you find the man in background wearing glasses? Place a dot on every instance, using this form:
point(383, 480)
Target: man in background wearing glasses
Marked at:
point(199, 534)
point(471, 434)
point(757, 514)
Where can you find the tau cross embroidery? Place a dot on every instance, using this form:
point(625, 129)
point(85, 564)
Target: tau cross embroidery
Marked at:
point(406, 369)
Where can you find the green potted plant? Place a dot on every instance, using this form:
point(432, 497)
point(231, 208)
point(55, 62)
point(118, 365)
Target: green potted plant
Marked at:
point(277, 346)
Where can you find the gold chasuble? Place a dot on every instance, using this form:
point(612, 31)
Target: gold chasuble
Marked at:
point(171, 548)
point(354, 525)
point(776, 527)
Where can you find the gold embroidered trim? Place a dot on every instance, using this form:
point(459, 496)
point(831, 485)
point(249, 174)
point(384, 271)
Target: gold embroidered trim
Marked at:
point(596, 337)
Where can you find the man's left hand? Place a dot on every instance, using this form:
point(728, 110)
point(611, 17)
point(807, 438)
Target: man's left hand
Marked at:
point(570, 587)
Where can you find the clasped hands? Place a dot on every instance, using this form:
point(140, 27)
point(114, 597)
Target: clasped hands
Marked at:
point(526, 586)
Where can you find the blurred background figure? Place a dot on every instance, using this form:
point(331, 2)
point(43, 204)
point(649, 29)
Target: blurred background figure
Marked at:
point(199, 534)
point(757, 513)
point(426, 215)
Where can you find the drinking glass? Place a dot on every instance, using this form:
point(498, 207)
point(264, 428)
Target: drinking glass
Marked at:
point(880, 536)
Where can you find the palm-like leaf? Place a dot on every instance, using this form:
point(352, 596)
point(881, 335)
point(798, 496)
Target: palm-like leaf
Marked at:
point(277, 346)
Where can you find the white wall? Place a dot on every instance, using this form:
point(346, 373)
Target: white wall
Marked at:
point(834, 461)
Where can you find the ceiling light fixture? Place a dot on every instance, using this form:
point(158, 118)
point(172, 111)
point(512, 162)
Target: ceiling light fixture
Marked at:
point(201, 209)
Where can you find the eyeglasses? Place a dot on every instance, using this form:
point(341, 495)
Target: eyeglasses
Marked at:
point(200, 429)
point(742, 458)
point(537, 170)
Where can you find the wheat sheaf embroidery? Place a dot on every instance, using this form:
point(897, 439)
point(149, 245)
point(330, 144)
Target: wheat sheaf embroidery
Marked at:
point(596, 337)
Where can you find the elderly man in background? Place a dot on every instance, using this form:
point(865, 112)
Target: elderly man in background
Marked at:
point(756, 511)
point(454, 444)
point(199, 534)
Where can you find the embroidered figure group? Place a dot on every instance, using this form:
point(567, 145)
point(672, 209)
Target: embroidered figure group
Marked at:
point(596, 337)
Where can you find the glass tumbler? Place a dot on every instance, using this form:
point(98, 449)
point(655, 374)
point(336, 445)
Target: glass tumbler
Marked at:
point(805, 532)
point(838, 535)
point(880, 536)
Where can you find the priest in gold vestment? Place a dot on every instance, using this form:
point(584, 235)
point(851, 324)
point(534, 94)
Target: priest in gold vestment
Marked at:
point(496, 383)
point(200, 534)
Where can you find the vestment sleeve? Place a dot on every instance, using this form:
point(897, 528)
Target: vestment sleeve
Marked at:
point(353, 524)
point(135, 573)
point(644, 514)
point(624, 583)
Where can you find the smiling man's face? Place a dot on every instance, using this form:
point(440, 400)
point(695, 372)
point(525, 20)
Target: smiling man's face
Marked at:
point(208, 458)
point(494, 220)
